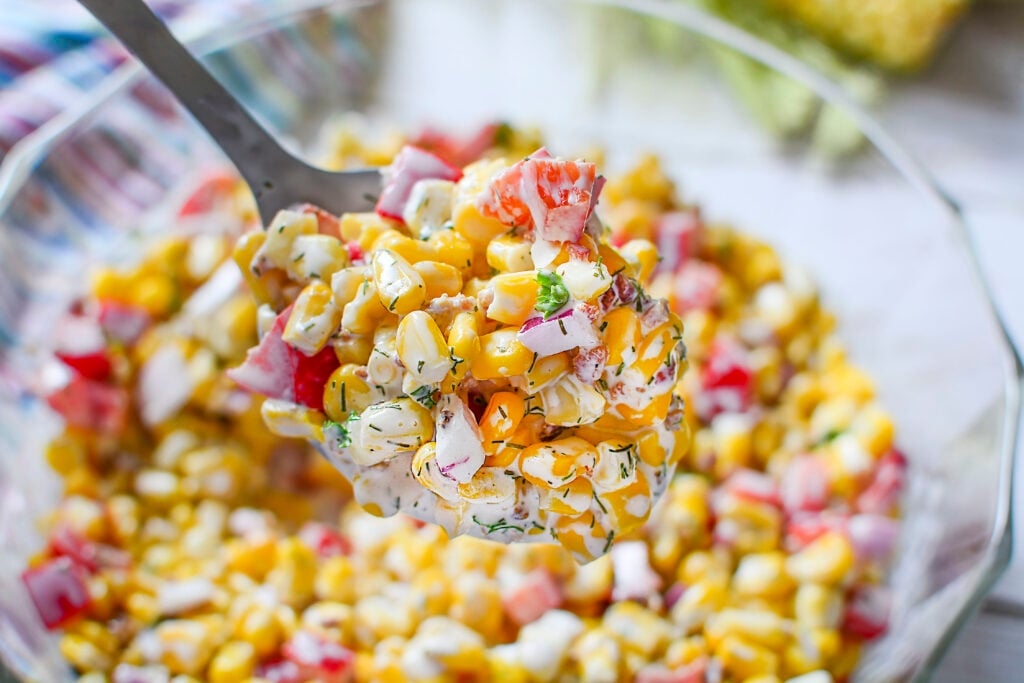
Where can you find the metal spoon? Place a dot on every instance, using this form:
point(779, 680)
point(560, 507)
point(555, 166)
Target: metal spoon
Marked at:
point(276, 178)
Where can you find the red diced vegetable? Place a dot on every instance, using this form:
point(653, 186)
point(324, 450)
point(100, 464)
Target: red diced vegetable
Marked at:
point(676, 234)
point(805, 485)
point(535, 595)
point(324, 540)
point(873, 536)
point(58, 590)
point(456, 151)
point(90, 405)
point(410, 166)
point(277, 370)
point(634, 578)
point(279, 671)
point(803, 528)
point(568, 330)
point(752, 486)
point(554, 196)
point(319, 659)
point(867, 612)
point(326, 222)
point(355, 252)
point(94, 365)
point(211, 191)
point(92, 556)
point(727, 380)
point(882, 495)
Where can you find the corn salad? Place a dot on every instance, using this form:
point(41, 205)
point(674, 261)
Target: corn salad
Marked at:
point(193, 545)
point(475, 353)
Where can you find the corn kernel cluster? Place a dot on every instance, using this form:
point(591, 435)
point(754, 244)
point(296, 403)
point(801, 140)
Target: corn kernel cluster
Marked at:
point(187, 546)
point(486, 364)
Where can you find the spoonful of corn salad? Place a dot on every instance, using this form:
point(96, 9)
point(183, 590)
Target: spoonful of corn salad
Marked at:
point(475, 353)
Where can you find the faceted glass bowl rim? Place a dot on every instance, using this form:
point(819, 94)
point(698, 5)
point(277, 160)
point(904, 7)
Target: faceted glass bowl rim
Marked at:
point(23, 158)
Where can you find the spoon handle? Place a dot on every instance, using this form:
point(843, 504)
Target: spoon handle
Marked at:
point(254, 152)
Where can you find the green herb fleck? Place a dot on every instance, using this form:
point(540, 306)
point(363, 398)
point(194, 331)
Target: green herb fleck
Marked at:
point(553, 293)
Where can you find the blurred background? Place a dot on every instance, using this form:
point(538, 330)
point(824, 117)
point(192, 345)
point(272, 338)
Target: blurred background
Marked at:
point(945, 76)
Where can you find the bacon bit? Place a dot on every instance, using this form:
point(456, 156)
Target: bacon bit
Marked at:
point(326, 222)
point(577, 252)
point(589, 364)
point(530, 599)
point(592, 311)
point(655, 315)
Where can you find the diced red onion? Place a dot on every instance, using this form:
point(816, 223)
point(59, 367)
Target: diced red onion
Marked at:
point(873, 536)
point(567, 330)
point(411, 165)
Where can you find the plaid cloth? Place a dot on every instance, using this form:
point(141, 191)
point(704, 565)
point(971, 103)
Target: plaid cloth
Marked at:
point(53, 51)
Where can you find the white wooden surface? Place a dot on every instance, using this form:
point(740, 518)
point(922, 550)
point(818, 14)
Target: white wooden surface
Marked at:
point(965, 120)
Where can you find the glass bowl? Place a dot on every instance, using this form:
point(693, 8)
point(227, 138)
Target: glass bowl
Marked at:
point(889, 249)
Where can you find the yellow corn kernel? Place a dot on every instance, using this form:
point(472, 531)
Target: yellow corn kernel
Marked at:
point(185, 644)
point(742, 659)
point(391, 427)
point(347, 392)
point(827, 560)
point(427, 472)
point(313, 319)
point(628, 507)
point(65, 454)
point(463, 343)
point(556, 463)
point(811, 651)
point(452, 248)
point(400, 289)
point(598, 657)
point(649, 448)
point(757, 525)
point(543, 372)
point(110, 285)
point(509, 254)
point(346, 282)
point(488, 485)
point(874, 429)
point(762, 575)
point(701, 599)
point(817, 606)
point(767, 678)
point(156, 293)
point(512, 448)
point(440, 278)
point(642, 256)
point(846, 660)
point(755, 626)
point(572, 499)
point(466, 217)
point(294, 572)
point(276, 250)
point(422, 348)
point(83, 654)
point(413, 251)
point(316, 257)
point(252, 557)
point(378, 617)
point(654, 412)
point(364, 228)
point(335, 580)
point(352, 348)
point(504, 670)
point(656, 349)
point(142, 607)
point(638, 628)
point(613, 260)
point(365, 311)
point(622, 335)
point(259, 627)
point(685, 650)
point(233, 662)
point(569, 402)
point(476, 602)
point(583, 536)
point(515, 296)
point(332, 621)
point(501, 355)
point(645, 181)
point(288, 419)
point(500, 421)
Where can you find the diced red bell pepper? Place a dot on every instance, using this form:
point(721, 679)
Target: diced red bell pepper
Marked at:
point(279, 671)
point(355, 252)
point(326, 222)
point(94, 365)
point(535, 595)
point(123, 322)
point(676, 234)
point(867, 612)
point(696, 286)
point(277, 370)
point(454, 150)
point(752, 486)
point(882, 494)
point(58, 589)
point(324, 540)
point(211, 191)
point(410, 166)
point(91, 405)
point(727, 380)
point(803, 528)
point(319, 659)
point(805, 485)
point(688, 673)
point(555, 196)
